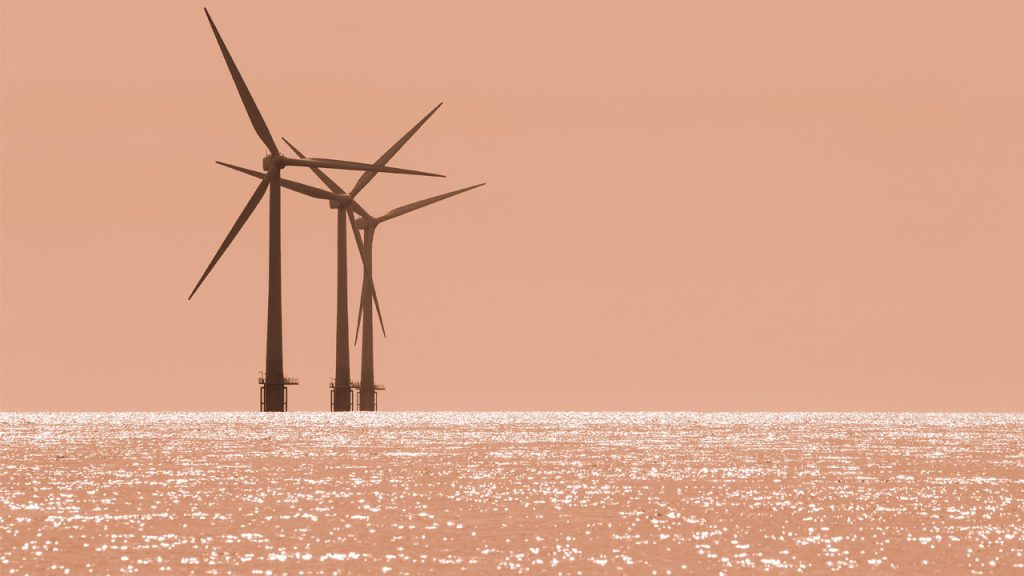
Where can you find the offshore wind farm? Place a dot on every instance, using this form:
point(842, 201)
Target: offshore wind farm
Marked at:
point(273, 384)
point(739, 298)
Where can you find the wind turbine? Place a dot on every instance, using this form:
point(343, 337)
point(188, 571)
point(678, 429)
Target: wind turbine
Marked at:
point(367, 385)
point(344, 202)
point(273, 391)
point(341, 399)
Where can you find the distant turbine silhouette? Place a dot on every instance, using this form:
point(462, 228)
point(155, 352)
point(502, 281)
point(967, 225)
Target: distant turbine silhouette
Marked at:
point(367, 384)
point(273, 392)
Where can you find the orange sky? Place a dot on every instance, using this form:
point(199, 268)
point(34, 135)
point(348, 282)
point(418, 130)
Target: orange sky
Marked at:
point(690, 205)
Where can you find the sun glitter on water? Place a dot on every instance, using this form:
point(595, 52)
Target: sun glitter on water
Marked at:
point(546, 493)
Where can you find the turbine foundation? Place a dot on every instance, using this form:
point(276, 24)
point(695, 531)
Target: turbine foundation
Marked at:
point(274, 395)
point(367, 396)
point(340, 401)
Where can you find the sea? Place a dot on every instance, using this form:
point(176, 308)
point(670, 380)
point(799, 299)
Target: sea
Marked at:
point(510, 493)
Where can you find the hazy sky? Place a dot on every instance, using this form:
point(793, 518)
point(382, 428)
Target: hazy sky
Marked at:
point(736, 205)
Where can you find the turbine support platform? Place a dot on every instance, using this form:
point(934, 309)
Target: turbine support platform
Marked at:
point(355, 397)
point(274, 395)
point(338, 397)
point(368, 396)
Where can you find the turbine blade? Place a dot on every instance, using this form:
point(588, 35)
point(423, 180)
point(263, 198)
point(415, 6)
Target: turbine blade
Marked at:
point(387, 156)
point(250, 172)
point(246, 212)
point(359, 316)
point(319, 173)
point(289, 184)
point(308, 190)
point(347, 165)
point(423, 203)
point(359, 239)
point(376, 304)
point(362, 256)
point(250, 105)
point(373, 288)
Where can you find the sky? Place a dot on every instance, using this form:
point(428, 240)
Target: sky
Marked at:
point(736, 205)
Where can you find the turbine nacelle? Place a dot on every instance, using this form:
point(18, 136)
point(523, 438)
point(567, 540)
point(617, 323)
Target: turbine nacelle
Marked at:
point(272, 161)
point(364, 223)
point(343, 201)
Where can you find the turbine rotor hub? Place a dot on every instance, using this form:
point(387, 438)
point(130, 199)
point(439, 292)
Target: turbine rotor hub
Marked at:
point(272, 161)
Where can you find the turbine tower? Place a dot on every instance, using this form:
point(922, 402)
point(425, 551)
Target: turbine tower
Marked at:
point(273, 390)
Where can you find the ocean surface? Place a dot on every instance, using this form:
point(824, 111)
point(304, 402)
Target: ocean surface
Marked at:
point(484, 493)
